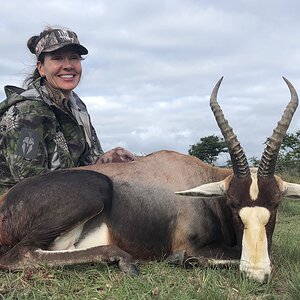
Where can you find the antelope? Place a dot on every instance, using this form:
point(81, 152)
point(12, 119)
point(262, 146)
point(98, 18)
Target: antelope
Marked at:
point(142, 210)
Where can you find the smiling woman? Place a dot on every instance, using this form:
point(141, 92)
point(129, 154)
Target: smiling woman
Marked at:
point(62, 68)
point(46, 126)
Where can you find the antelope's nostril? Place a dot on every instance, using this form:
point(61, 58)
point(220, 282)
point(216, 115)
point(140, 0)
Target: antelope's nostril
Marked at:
point(266, 278)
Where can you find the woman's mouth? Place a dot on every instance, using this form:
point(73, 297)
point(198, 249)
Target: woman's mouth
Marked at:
point(67, 76)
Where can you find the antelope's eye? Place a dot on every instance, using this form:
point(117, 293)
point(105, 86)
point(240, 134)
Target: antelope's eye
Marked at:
point(233, 206)
point(233, 203)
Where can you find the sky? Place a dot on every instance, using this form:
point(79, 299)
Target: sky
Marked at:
point(152, 65)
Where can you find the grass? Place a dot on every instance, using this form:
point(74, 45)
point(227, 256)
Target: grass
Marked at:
point(160, 281)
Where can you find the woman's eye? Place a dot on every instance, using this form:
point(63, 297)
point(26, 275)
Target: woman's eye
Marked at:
point(56, 58)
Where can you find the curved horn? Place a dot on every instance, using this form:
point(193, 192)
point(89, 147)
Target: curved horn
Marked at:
point(239, 161)
point(269, 157)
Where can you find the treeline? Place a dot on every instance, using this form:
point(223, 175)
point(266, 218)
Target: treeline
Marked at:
point(209, 148)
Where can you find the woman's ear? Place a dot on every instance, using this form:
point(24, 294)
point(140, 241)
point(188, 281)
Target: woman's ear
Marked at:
point(40, 68)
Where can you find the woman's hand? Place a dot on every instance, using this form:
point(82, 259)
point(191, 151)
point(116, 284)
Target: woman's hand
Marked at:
point(117, 154)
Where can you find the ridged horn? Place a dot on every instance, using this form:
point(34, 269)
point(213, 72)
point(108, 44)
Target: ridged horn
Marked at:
point(269, 157)
point(238, 158)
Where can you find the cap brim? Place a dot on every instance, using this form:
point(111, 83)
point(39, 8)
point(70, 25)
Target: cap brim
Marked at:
point(81, 49)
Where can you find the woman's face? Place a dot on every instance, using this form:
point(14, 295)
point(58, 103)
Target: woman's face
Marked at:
point(62, 69)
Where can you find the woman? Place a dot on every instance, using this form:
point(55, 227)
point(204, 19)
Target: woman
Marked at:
point(47, 127)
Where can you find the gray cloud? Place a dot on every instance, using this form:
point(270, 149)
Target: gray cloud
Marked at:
point(153, 64)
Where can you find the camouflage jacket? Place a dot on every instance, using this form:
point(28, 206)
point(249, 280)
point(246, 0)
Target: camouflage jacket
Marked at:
point(38, 135)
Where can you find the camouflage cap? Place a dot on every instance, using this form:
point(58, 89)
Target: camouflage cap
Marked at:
point(56, 39)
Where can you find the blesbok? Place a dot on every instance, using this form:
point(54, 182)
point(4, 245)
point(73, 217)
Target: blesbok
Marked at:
point(120, 212)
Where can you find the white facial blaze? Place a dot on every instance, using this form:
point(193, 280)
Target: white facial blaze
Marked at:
point(254, 185)
point(255, 259)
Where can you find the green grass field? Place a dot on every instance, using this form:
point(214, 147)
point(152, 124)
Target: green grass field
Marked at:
point(160, 281)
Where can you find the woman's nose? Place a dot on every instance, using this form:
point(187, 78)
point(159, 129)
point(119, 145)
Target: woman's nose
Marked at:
point(67, 63)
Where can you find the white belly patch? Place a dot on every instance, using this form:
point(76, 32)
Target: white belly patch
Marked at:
point(67, 241)
point(97, 237)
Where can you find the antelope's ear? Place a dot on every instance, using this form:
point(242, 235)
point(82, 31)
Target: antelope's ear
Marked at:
point(289, 189)
point(209, 189)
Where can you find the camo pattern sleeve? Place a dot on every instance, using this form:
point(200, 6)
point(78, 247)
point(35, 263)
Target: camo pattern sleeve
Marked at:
point(28, 136)
point(94, 152)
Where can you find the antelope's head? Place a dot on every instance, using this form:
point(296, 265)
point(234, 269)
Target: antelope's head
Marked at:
point(252, 194)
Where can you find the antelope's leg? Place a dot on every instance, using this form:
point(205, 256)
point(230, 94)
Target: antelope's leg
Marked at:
point(204, 262)
point(180, 258)
point(100, 254)
point(41, 209)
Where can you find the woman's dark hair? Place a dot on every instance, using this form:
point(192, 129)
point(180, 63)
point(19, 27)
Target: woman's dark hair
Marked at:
point(31, 44)
point(35, 74)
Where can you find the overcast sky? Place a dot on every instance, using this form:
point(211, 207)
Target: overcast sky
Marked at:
point(152, 65)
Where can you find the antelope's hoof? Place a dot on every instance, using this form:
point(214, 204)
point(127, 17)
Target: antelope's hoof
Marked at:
point(194, 262)
point(177, 258)
point(129, 268)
